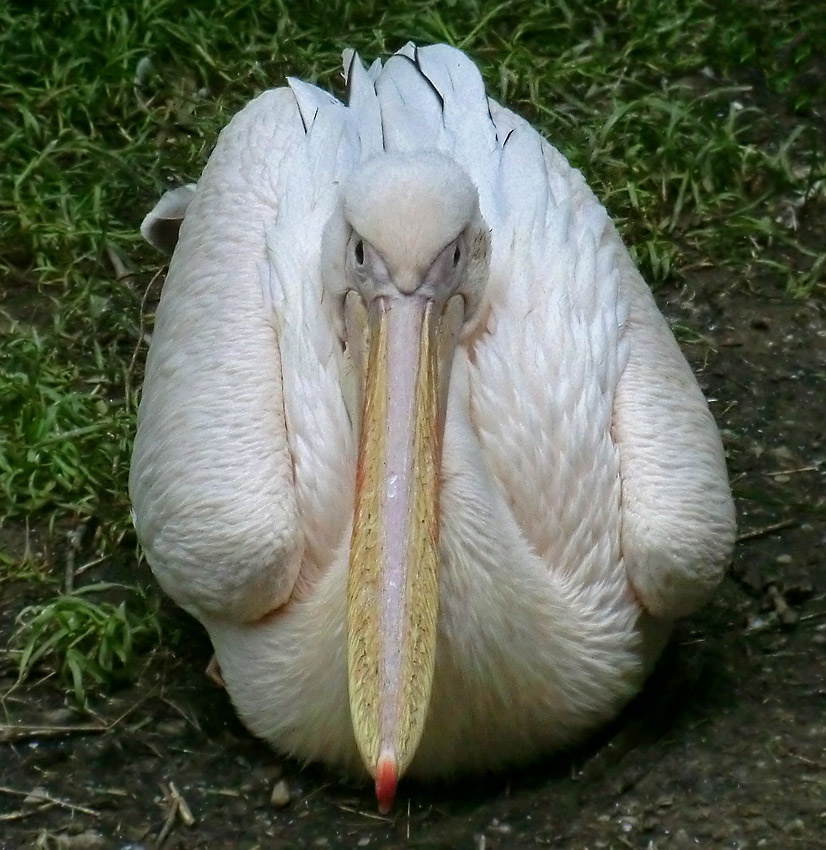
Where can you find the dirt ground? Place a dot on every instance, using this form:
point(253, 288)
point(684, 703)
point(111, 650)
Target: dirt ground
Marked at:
point(725, 748)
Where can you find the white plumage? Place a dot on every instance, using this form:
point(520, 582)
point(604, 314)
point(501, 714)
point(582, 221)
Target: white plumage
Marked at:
point(583, 503)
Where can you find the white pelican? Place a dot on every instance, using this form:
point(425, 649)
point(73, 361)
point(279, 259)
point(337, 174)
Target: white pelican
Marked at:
point(395, 575)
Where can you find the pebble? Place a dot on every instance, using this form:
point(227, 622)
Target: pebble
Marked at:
point(784, 559)
point(280, 797)
point(628, 823)
point(35, 796)
point(761, 622)
point(681, 839)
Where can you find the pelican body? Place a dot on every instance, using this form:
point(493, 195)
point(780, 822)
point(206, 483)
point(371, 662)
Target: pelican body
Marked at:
point(415, 444)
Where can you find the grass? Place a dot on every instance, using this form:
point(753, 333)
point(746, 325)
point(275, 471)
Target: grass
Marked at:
point(700, 128)
point(92, 644)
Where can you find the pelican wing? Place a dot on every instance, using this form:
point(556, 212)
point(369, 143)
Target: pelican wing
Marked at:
point(614, 455)
point(678, 521)
point(240, 346)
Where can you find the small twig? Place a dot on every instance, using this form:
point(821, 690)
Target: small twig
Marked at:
point(365, 814)
point(178, 810)
point(766, 530)
point(818, 615)
point(47, 798)
point(791, 471)
point(184, 811)
point(320, 789)
point(810, 762)
point(10, 734)
point(167, 825)
point(89, 564)
point(21, 814)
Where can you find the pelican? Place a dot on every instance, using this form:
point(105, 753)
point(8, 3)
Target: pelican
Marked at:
point(415, 444)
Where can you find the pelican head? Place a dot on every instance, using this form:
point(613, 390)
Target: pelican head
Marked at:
point(407, 257)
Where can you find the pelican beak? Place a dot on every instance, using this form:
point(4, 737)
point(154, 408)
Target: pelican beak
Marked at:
point(393, 592)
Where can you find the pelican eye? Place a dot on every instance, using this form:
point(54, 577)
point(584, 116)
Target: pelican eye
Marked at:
point(359, 252)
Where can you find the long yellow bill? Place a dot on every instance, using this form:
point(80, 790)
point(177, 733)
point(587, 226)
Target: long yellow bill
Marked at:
point(394, 551)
